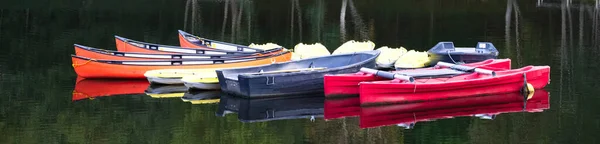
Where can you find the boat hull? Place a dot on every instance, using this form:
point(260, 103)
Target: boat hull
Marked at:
point(395, 92)
point(343, 85)
point(234, 81)
point(95, 53)
point(90, 68)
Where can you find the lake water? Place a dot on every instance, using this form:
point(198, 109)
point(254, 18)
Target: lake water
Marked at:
point(38, 103)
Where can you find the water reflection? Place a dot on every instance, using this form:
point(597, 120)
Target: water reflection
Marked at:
point(166, 91)
point(485, 107)
point(342, 107)
point(92, 88)
point(201, 96)
point(308, 106)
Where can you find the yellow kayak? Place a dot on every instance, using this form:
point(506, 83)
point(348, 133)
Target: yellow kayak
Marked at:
point(389, 56)
point(354, 46)
point(204, 82)
point(412, 59)
point(173, 76)
point(266, 46)
point(304, 51)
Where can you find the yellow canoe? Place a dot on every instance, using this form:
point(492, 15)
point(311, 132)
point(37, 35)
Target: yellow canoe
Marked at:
point(412, 59)
point(174, 76)
point(204, 82)
point(304, 51)
point(389, 56)
point(354, 46)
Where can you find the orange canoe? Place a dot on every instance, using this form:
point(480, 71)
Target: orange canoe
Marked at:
point(128, 45)
point(92, 88)
point(94, 53)
point(93, 68)
point(191, 41)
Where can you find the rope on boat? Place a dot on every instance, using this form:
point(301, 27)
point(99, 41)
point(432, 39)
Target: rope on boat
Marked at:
point(77, 65)
point(415, 90)
point(450, 56)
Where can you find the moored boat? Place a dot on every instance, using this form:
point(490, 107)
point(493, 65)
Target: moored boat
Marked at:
point(96, 53)
point(446, 52)
point(191, 41)
point(202, 82)
point(403, 91)
point(341, 85)
point(485, 107)
point(93, 68)
point(128, 45)
point(294, 77)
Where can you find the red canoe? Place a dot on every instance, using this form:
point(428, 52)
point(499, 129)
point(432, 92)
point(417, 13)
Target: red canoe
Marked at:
point(95, 53)
point(398, 91)
point(93, 68)
point(341, 107)
point(92, 88)
point(128, 45)
point(489, 105)
point(342, 85)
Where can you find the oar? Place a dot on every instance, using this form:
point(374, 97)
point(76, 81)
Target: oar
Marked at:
point(388, 75)
point(466, 68)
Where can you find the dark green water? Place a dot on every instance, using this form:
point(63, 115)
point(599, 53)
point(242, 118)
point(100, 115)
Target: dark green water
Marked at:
point(37, 80)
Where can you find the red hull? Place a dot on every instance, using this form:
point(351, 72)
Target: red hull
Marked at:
point(342, 107)
point(347, 84)
point(427, 111)
point(92, 88)
point(395, 91)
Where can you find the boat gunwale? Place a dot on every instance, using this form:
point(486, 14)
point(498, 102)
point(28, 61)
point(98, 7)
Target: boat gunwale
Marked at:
point(128, 41)
point(112, 53)
point(186, 34)
point(120, 62)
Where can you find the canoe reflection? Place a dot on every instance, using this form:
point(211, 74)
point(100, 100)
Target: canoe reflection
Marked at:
point(485, 107)
point(336, 108)
point(201, 97)
point(269, 109)
point(92, 88)
point(166, 91)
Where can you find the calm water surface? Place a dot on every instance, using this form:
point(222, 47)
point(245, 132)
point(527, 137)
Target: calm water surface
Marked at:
point(38, 103)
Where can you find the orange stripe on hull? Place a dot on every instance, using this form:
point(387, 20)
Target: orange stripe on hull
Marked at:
point(94, 69)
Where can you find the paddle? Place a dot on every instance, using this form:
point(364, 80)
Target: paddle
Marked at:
point(290, 70)
point(466, 68)
point(386, 74)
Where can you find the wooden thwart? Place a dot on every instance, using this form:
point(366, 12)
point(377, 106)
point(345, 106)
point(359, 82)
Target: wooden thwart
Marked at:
point(290, 70)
